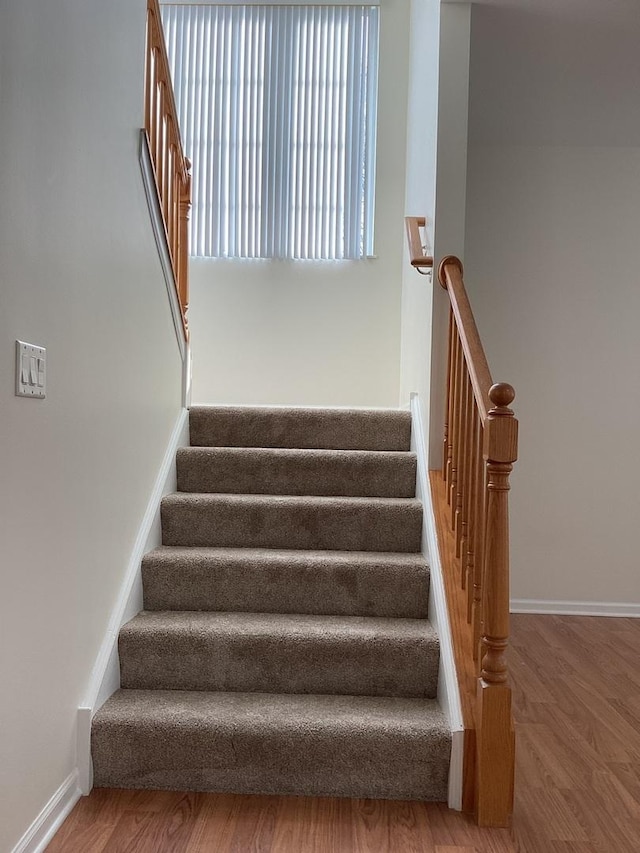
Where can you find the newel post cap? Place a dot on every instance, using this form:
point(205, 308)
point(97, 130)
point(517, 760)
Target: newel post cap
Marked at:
point(502, 395)
point(501, 430)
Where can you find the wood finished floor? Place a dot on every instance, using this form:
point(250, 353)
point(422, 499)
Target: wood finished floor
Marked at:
point(576, 687)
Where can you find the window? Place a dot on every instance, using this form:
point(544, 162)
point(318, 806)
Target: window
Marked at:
point(277, 107)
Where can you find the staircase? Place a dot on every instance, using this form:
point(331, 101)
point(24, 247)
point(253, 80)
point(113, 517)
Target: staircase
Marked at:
point(284, 647)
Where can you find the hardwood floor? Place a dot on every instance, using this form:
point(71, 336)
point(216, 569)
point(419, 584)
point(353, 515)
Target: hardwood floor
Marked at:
point(576, 683)
point(163, 822)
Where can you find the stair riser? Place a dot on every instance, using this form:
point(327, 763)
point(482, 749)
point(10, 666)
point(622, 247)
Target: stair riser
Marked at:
point(287, 588)
point(206, 521)
point(270, 472)
point(388, 764)
point(300, 428)
point(237, 662)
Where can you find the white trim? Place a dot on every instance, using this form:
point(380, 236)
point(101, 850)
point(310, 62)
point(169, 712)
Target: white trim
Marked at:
point(83, 751)
point(149, 182)
point(448, 691)
point(575, 608)
point(105, 676)
point(51, 818)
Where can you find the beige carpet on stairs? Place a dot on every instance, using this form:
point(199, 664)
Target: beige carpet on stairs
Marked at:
point(285, 645)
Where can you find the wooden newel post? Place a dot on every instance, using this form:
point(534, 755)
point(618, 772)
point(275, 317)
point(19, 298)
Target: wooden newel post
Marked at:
point(183, 250)
point(495, 748)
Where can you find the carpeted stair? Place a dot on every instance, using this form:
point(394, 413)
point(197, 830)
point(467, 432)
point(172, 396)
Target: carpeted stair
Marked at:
point(285, 645)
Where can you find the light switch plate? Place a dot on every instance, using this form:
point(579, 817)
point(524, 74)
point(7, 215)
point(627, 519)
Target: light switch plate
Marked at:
point(31, 370)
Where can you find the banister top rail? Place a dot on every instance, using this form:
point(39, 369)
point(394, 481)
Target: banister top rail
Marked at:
point(450, 273)
point(418, 251)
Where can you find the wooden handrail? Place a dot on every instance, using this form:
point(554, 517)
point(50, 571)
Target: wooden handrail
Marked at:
point(419, 255)
point(172, 170)
point(450, 277)
point(480, 447)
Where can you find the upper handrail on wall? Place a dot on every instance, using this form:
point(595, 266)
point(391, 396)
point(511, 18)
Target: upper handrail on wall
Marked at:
point(480, 447)
point(419, 253)
point(172, 170)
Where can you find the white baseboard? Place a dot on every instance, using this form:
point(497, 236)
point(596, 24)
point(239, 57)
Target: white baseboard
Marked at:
point(575, 608)
point(51, 818)
point(448, 691)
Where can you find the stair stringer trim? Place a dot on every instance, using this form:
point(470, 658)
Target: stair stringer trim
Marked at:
point(105, 676)
point(448, 690)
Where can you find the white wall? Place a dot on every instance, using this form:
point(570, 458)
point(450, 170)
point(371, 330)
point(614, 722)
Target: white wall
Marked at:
point(310, 333)
point(551, 266)
point(420, 195)
point(451, 187)
point(78, 274)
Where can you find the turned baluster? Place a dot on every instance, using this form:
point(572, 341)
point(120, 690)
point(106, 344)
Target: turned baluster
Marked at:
point(495, 738)
point(458, 358)
point(478, 548)
point(465, 479)
point(158, 121)
point(457, 520)
point(149, 78)
point(446, 450)
point(457, 450)
point(174, 214)
point(469, 556)
point(168, 189)
point(175, 211)
point(183, 264)
point(456, 504)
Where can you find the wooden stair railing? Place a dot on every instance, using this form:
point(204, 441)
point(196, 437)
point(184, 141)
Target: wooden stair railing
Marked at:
point(172, 170)
point(480, 447)
point(419, 253)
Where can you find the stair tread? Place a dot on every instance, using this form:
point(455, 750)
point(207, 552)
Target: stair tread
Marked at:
point(227, 710)
point(288, 653)
point(286, 625)
point(285, 521)
point(203, 553)
point(384, 457)
point(289, 500)
point(265, 743)
point(259, 580)
point(263, 426)
point(294, 471)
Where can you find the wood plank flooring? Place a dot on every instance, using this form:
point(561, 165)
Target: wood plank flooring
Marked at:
point(164, 822)
point(576, 683)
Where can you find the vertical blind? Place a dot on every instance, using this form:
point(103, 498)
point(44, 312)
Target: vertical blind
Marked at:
point(277, 108)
